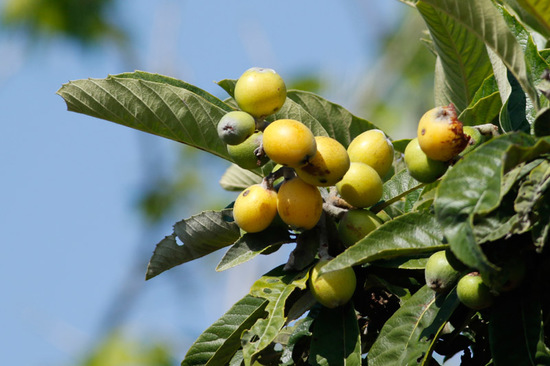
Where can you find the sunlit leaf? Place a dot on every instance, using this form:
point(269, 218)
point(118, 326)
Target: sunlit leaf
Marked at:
point(409, 336)
point(251, 245)
point(200, 234)
point(485, 105)
point(275, 286)
point(217, 344)
point(462, 57)
point(482, 18)
point(407, 235)
point(159, 108)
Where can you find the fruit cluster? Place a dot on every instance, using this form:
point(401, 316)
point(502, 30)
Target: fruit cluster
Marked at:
point(308, 163)
point(474, 289)
point(441, 137)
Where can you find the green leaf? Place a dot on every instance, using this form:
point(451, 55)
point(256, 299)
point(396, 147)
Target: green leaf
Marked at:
point(276, 286)
point(541, 125)
point(512, 114)
point(337, 121)
point(515, 324)
point(217, 344)
point(536, 13)
point(530, 193)
point(463, 63)
point(408, 337)
point(541, 230)
point(472, 187)
point(201, 234)
point(410, 234)
point(252, 244)
point(159, 108)
point(482, 18)
point(399, 186)
point(237, 179)
point(301, 331)
point(336, 340)
point(485, 106)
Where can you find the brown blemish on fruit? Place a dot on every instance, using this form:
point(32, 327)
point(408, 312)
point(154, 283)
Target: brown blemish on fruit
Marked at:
point(245, 193)
point(423, 132)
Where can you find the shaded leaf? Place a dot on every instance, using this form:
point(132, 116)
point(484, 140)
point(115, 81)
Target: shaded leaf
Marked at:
point(473, 187)
point(217, 344)
point(409, 336)
point(236, 178)
point(512, 114)
point(536, 13)
point(541, 125)
point(515, 323)
point(155, 107)
point(300, 331)
point(407, 235)
point(275, 286)
point(201, 234)
point(335, 340)
point(251, 245)
point(530, 193)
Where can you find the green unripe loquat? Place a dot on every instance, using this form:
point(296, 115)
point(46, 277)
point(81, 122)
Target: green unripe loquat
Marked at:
point(356, 224)
point(373, 148)
point(328, 165)
point(420, 166)
point(260, 92)
point(440, 275)
point(472, 292)
point(235, 127)
point(332, 289)
point(299, 204)
point(440, 133)
point(255, 208)
point(361, 186)
point(244, 154)
point(289, 142)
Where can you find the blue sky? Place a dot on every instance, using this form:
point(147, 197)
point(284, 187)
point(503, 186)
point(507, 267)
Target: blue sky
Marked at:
point(70, 233)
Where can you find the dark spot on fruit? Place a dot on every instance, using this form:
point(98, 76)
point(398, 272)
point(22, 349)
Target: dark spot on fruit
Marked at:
point(423, 131)
point(245, 193)
point(322, 180)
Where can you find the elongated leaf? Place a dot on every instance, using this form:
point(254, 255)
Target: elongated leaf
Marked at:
point(462, 57)
point(515, 323)
point(530, 193)
point(236, 178)
point(201, 234)
point(541, 230)
point(409, 336)
point(335, 340)
point(252, 244)
point(536, 13)
point(473, 187)
point(339, 123)
point(541, 125)
point(276, 286)
point(397, 188)
point(163, 108)
point(512, 114)
point(483, 19)
point(301, 331)
point(217, 344)
point(485, 106)
point(407, 235)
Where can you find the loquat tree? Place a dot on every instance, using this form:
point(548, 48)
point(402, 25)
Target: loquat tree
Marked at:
point(448, 255)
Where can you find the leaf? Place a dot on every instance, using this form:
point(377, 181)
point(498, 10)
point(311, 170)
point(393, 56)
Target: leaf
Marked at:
point(301, 331)
point(410, 234)
point(536, 13)
point(483, 19)
point(337, 121)
point(541, 125)
point(463, 63)
point(512, 113)
point(399, 186)
point(307, 247)
point(159, 108)
point(335, 340)
point(472, 187)
point(530, 193)
point(201, 234)
point(408, 337)
point(515, 323)
point(276, 286)
point(237, 179)
point(541, 230)
point(217, 344)
point(485, 106)
point(252, 244)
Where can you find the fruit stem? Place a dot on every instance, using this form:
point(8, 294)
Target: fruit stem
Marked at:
point(487, 129)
